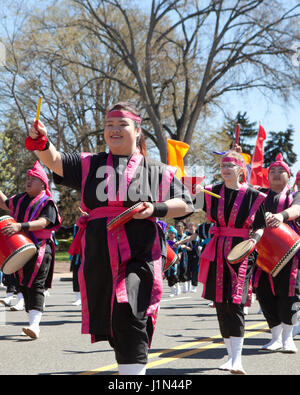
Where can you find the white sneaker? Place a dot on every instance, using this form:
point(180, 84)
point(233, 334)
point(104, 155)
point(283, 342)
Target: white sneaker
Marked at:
point(33, 330)
point(287, 339)
point(194, 289)
point(19, 306)
point(136, 369)
point(2, 286)
point(178, 289)
point(185, 287)
point(276, 343)
point(173, 291)
point(7, 301)
point(296, 330)
point(236, 350)
point(78, 300)
point(228, 364)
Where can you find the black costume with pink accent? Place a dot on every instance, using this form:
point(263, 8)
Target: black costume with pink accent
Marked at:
point(121, 271)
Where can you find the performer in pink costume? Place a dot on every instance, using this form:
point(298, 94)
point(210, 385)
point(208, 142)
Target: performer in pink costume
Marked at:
point(121, 271)
point(236, 216)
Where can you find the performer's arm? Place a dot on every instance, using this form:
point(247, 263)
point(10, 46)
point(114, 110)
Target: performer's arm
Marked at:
point(288, 214)
point(3, 199)
point(256, 235)
point(38, 224)
point(186, 240)
point(50, 157)
point(172, 208)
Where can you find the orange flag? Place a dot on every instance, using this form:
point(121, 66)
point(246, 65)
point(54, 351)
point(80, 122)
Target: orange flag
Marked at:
point(176, 152)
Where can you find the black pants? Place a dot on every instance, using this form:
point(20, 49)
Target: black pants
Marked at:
point(276, 309)
point(34, 296)
point(172, 276)
point(75, 265)
point(11, 283)
point(231, 319)
point(193, 270)
point(131, 335)
point(183, 270)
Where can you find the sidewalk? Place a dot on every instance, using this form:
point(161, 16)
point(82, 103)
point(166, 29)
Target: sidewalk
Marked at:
point(62, 269)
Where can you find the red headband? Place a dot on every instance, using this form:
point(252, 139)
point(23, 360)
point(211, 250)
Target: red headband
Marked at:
point(237, 162)
point(123, 114)
point(234, 160)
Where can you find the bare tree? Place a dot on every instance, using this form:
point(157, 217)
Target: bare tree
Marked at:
point(223, 46)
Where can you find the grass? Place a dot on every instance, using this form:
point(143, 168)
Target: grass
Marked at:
point(62, 256)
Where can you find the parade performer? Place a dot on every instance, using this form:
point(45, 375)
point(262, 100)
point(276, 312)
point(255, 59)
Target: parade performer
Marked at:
point(121, 271)
point(75, 265)
point(183, 257)
point(297, 181)
point(236, 216)
point(36, 214)
point(193, 252)
point(172, 273)
point(278, 296)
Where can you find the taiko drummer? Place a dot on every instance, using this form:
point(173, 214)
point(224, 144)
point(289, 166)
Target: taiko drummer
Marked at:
point(237, 216)
point(121, 272)
point(36, 214)
point(280, 295)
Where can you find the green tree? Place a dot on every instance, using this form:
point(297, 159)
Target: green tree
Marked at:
point(280, 142)
point(7, 168)
point(248, 131)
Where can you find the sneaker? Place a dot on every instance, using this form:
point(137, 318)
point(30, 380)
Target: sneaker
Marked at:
point(31, 331)
point(18, 307)
point(6, 302)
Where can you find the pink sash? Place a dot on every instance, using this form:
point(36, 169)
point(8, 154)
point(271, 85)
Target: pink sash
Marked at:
point(222, 241)
point(117, 239)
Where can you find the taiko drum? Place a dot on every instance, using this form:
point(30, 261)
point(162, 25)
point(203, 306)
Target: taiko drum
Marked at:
point(276, 248)
point(15, 250)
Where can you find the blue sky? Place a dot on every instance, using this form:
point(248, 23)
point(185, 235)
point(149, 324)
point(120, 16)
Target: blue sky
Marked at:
point(274, 116)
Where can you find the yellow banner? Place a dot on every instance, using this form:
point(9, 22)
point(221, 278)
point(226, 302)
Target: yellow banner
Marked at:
point(176, 152)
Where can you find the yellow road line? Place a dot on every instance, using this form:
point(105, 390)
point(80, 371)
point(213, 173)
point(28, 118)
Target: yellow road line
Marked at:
point(183, 346)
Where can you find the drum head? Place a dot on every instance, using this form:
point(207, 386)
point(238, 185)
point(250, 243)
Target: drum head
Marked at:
point(241, 251)
point(18, 259)
point(5, 217)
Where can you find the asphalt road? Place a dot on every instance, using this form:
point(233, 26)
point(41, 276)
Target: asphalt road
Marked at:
point(186, 341)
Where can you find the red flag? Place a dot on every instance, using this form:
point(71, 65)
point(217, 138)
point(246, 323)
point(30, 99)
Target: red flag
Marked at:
point(259, 175)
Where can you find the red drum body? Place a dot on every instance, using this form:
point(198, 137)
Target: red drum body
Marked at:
point(276, 248)
point(172, 258)
point(125, 216)
point(15, 250)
